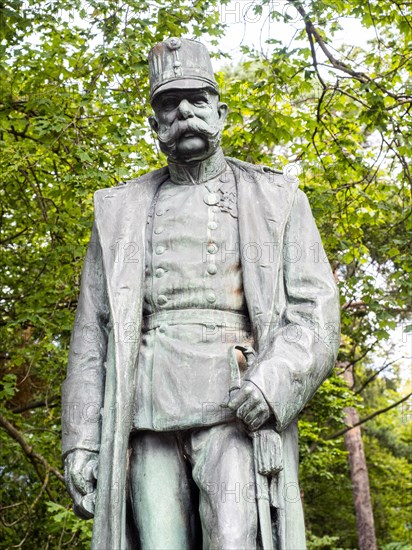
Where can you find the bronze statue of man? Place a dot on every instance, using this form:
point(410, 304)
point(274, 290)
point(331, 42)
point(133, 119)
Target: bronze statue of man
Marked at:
point(205, 323)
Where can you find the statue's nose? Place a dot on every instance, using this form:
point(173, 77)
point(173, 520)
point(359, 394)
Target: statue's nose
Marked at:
point(185, 109)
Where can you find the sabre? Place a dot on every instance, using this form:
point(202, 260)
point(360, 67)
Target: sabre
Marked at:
point(267, 459)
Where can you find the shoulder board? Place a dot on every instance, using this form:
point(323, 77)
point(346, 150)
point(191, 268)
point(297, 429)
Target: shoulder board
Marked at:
point(255, 167)
point(272, 170)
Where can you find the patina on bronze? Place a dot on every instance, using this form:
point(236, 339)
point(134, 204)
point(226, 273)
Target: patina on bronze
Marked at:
point(205, 323)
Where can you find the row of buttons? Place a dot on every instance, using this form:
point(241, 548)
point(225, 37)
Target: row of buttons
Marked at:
point(211, 200)
point(160, 249)
point(212, 247)
point(210, 297)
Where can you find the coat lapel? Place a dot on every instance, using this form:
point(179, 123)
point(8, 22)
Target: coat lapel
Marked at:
point(121, 217)
point(264, 202)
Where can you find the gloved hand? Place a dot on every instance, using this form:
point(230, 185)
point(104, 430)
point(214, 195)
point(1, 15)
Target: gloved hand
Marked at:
point(80, 475)
point(250, 405)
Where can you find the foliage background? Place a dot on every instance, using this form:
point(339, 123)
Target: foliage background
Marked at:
point(73, 109)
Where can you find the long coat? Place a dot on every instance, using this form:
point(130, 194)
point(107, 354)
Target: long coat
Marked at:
point(294, 312)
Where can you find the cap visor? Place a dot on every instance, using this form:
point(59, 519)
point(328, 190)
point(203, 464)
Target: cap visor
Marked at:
point(184, 84)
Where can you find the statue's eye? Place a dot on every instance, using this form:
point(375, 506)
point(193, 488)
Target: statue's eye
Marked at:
point(199, 101)
point(169, 103)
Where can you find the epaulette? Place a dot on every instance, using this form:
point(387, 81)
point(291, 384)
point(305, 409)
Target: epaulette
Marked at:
point(128, 182)
point(272, 170)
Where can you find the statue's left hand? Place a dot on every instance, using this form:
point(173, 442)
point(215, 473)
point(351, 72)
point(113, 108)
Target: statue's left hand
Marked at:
point(80, 474)
point(250, 405)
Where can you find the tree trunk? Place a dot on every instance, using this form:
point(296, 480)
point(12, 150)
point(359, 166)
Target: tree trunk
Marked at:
point(359, 475)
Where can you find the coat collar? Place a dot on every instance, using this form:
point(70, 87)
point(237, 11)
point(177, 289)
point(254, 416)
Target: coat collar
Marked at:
point(199, 172)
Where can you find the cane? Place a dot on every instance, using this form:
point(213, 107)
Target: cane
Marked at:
point(267, 456)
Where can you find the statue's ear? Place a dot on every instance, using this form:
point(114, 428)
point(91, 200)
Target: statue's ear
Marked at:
point(154, 125)
point(223, 110)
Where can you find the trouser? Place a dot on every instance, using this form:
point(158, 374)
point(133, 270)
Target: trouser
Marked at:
point(218, 461)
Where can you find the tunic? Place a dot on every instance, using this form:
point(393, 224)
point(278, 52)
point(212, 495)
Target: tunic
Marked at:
point(194, 306)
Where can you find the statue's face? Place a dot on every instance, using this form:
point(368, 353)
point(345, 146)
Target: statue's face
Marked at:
point(188, 123)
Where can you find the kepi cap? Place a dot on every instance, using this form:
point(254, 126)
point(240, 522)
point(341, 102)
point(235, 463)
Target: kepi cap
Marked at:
point(180, 63)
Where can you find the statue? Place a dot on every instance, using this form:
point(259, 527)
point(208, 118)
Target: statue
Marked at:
point(205, 323)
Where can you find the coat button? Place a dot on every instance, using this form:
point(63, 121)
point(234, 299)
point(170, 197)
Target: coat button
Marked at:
point(212, 225)
point(162, 300)
point(158, 230)
point(211, 199)
point(212, 269)
point(211, 297)
point(212, 248)
point(160, 272)
point(160, 249)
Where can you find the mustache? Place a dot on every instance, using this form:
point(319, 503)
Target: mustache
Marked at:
point(193, 125)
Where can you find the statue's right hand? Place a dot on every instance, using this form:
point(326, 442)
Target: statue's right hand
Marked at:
point(80, 474)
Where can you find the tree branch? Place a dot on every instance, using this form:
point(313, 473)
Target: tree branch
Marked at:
point(53, 402)
point(375, 375)
point(367, 418)
point(360, 305)
point(34, 457)
point(336, 63)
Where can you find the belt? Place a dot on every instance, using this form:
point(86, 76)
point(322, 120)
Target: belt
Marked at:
point(194, 316)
